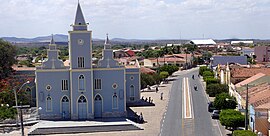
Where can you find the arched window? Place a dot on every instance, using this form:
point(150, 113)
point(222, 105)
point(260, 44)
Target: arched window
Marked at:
point(132, 93)
point(49, 104)
point(81, 82)
point(65, 99)
point(115, 101)
point(98, 98)
point(82, 99)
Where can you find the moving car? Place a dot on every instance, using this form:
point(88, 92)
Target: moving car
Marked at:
point(215, 114)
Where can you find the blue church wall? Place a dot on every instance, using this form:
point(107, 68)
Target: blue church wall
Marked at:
point(80, 46)
point(111, 84)
point(51, 87)
point(132, 85)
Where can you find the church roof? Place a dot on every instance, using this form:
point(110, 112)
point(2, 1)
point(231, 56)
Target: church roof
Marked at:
point(79, 18)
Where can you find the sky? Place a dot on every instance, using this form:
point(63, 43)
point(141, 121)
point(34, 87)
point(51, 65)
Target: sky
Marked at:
point(139, 19)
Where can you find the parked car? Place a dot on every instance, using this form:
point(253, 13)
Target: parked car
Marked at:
point(215, 114)
point(211, 107)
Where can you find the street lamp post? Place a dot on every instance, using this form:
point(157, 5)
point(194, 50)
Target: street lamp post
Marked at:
point(16, 99)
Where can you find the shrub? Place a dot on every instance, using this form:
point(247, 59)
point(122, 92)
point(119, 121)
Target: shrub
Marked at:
point(7, 113)
point(243, 133)
point(208, 74)
point(221, 102)
point(213, 89)
point(202, 69)
point(163, 74)
point(211, 80)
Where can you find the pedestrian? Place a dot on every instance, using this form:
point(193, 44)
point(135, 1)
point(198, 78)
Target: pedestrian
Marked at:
point(161, 96)
point(156, 89)
point(149, 88)
point(141, 118)
point(149, 99)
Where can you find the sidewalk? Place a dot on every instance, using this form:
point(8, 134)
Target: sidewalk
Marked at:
point(151, 114)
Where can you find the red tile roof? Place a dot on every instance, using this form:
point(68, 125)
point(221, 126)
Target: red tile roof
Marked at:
point(248, 72)
point(251, 79)
point(258, 95)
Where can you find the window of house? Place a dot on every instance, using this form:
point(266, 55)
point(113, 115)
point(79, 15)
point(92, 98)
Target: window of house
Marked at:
point(81, 62)
point(132, 93)
point(81, 82)
point(97, 84)
point(49, 104)
point(115, 101)
point(64, 86)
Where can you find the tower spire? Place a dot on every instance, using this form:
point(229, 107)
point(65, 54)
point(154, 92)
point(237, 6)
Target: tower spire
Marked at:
point(107, 44)
point(79, 18)
point(79, 24)
point(107, 41)
point(52, 40)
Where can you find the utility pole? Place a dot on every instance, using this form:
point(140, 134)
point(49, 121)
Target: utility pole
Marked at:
point(246, 114)
point(246, 111)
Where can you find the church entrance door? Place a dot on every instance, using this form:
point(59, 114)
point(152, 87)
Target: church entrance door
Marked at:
point(82, 108)
point(98, 106)
point(65, 108)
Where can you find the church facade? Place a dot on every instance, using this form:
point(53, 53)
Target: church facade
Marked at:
point(84, 90)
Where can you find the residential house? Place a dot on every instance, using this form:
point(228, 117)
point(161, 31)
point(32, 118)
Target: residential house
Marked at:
point(174, 59)
point(247, 52)
point(259, 101)
point(262, 53)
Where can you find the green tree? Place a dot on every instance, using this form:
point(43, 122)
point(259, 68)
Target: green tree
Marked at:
point(147, 79)
point(163, 74)
point(225, 101)
point(169, 68)
point(7, 55)
point(214, 89)
point(232, 118)
point(206, 56)
point(243, 133)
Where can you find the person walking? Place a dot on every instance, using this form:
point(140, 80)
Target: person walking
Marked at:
point(161, 96)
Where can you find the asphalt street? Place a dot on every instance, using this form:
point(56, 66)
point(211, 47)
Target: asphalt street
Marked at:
point(174, 124)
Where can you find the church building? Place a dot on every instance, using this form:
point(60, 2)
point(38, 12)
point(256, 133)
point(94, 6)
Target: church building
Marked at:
point(84, 90)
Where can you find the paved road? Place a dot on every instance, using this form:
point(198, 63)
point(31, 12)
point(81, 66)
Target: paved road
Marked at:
point(174, 124)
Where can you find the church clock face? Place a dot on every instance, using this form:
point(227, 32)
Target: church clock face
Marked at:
point(80, 42)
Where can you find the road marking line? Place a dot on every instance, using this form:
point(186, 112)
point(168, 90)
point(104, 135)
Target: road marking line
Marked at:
point(184, 85)
point(187, 100)
point(191, 102)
